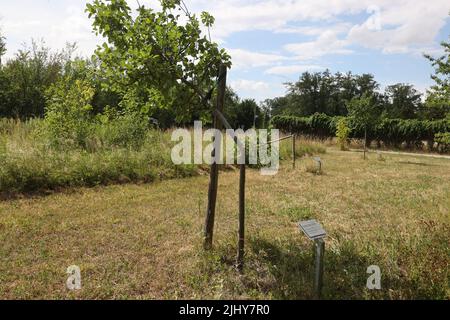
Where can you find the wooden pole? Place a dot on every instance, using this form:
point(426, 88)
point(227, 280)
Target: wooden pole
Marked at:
point(214, 174)
point(365, 142)
point(241, 231)
point(318, 276)
point(293, 151)
point(241, 242)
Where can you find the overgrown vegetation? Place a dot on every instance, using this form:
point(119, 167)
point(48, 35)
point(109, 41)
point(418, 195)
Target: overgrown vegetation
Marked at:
point(109, 154)
point(40, 155)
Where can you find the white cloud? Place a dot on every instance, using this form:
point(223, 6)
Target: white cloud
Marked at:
point(241, 15)
point(407, 24)
point(249, 85)
point(293, 69)
point(56, 22)
point(327, 43)
point(405, 27)
point(316, 30)
point(258, 90)
point(243, 59)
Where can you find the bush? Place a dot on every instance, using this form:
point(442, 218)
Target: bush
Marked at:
point(122, 131)
point(68, 118)
point(443, 141)
point(342, 133)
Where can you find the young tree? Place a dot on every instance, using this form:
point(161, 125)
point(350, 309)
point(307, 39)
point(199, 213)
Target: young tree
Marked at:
point(158, 58)
point(364, 113)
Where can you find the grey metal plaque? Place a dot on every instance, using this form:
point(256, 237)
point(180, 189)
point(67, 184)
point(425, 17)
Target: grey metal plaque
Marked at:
point(313, 229)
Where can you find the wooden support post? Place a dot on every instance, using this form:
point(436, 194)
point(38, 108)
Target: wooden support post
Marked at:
point(241, 231)
point(241, 242)
point(318, 275)
point(214, 174)
point(365, 142)
point(293, 151)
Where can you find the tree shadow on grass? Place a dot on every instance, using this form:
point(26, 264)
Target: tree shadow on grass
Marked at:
point(292, 266)
point(420, 164)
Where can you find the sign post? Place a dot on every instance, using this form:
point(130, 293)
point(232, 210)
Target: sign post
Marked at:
point(315, 232)
point(319, 164)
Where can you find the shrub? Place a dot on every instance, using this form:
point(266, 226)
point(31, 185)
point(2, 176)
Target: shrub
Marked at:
point(68, 117)
point(122, 130)
point(443, 141)
point(343, 133)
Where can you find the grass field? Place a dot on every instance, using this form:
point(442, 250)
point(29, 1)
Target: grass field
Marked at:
point(145, 241)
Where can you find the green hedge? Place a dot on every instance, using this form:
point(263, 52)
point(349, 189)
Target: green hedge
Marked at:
point(389, 131)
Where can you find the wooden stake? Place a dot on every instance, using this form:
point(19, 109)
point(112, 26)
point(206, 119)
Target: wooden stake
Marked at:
point(241, 242)
point(365, 142)
point(293, 151)
point(214, 174)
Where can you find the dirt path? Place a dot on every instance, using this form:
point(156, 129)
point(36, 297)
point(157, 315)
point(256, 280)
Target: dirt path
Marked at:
point(436, 156)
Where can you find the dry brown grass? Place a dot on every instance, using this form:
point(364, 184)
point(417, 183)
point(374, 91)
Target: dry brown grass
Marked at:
point(145, 241)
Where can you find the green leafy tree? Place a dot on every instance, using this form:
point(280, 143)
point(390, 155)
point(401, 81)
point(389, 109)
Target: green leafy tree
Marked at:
point(242, 113)
point(248, 114)
point(364, 111)
point(27, 76)
point(404, 101)
point(323, 92)
point(436, 106)
point(438, 100)
point(364, 114)
point(277, 106)
point(2, 47)
point(157, 58)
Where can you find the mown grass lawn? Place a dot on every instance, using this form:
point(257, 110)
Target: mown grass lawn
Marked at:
point(145, 241)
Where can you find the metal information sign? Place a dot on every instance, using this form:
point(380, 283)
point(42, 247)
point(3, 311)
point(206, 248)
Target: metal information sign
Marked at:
point(319, 163)
point(313, 229)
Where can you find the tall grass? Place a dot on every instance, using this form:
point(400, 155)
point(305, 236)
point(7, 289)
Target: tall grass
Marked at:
point(119, 151)
point(29, 161)
point(303, 147)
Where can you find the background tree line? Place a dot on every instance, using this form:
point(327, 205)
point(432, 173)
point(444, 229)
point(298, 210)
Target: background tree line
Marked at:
point(330, 94)
point(27, 78)
point(326, 105)
point(169, 75)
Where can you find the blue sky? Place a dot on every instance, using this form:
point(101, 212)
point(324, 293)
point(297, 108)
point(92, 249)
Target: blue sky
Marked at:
point(274, 41)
